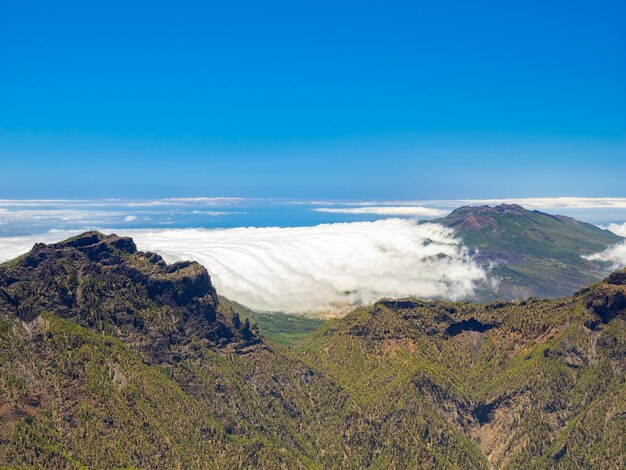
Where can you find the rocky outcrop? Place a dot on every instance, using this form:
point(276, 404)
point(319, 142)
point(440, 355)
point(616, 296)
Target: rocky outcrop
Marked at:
point(608, 299)
point(103, 282)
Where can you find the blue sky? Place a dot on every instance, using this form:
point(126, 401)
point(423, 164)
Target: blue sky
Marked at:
point(342, 100)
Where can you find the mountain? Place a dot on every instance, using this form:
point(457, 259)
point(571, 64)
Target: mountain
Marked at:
point(110, 358)
point(531, 384)
point(532, 253)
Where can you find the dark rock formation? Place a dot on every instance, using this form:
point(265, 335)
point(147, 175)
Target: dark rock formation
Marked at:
point(104, 283)
point(608, 299)
point(468, 325)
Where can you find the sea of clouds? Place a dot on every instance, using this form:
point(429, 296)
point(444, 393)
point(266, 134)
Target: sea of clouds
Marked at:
point(321, 269)
point(312, 268)
point(614, 254)
point(325, 268)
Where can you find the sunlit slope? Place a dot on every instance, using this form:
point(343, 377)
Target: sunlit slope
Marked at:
point(111, 358)
point(533, 253)
point(532, 384)
point(281, 328)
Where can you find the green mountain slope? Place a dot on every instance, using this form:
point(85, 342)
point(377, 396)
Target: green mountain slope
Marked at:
point(536, 384)
point(281, 328)
point(110, 358)
point(533, 253)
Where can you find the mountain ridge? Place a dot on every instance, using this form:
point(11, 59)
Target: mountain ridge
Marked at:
point(73, 279)
point(507, 374)
point(403, 383)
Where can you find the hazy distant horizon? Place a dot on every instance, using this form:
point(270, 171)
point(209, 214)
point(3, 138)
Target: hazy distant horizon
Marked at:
point(298, 255)
point(31, 216)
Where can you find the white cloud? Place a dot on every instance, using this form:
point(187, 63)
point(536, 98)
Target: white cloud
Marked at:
point(327, 268)
point(215, 213)
point(617, 229)
point(385, 210)
point(12, 216)
point(324, 268)
point(204, 200)
point(614, 254)
point(36, 215)
point(10, 247)
point(553, 202)
point(571, 202)
point(39, 202)
point(565, 202)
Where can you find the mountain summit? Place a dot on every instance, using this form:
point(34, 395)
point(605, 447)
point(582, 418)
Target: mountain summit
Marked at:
point(104, 283)
point(531, 253)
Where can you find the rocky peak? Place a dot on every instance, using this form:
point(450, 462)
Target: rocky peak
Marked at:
point(473, 217)
point(485, 209)
point(93, 242)
point(607, 299)
point(618, 278)
point(104, 283)
point(480, 217)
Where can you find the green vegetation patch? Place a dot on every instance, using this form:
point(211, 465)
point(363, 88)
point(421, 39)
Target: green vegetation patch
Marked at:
point(282, 328)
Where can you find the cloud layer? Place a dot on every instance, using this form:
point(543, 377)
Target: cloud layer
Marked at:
point(411, 211)
point(324, 268)
point(618, 229)
point(549, 202)
point(565, 202)
point(615, 254)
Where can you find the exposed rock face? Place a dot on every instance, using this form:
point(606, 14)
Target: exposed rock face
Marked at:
point(103, 282)
point(608, 300)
